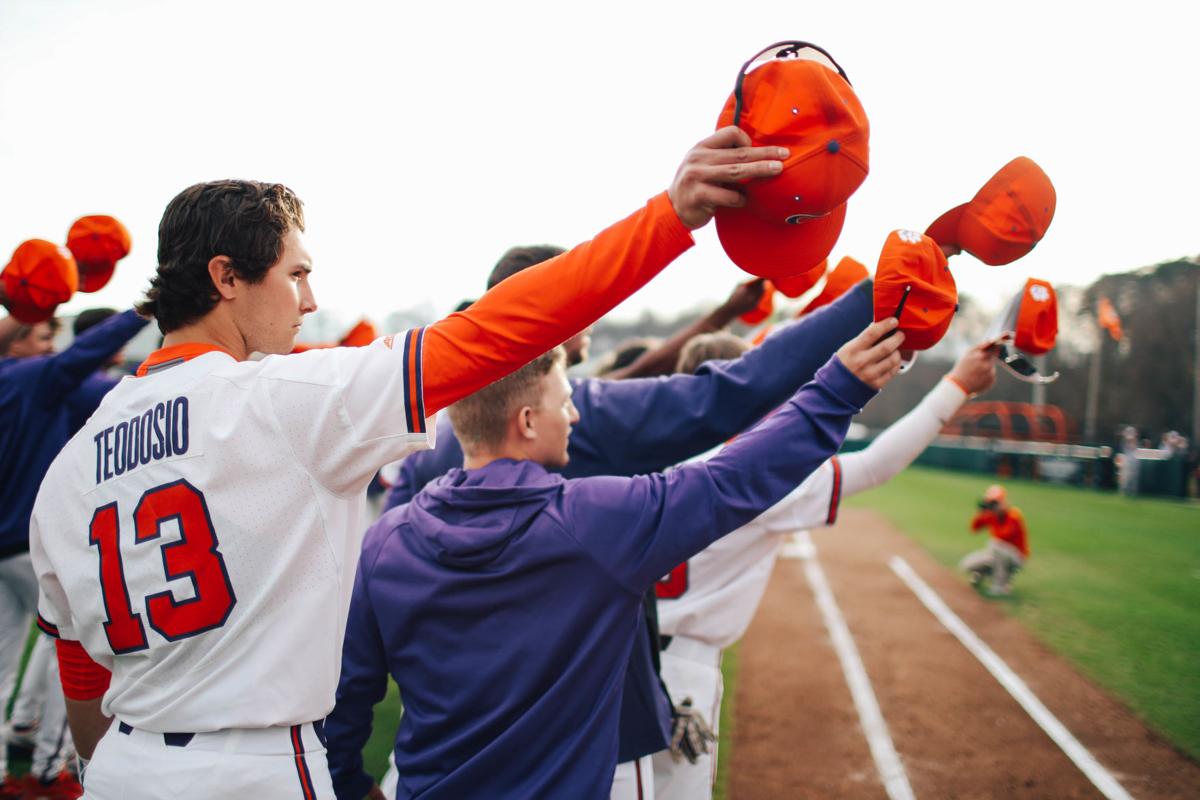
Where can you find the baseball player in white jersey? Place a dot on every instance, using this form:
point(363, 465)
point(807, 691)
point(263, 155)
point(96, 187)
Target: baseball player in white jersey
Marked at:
point(706, 603)
point(198, 537)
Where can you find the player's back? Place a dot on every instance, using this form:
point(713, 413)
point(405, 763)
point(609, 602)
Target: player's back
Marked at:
point(508, 639)
point(199, 535)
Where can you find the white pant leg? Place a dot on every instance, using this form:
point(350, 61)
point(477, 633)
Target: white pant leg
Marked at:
point(139, 766)
point(18, 604)
point(634, 780)
point(699, 678)
point(31, 694)
point(53, 747)
point(391, 778)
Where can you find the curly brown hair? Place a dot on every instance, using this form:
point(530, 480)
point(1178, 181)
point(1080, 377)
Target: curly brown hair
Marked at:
point(243, 220)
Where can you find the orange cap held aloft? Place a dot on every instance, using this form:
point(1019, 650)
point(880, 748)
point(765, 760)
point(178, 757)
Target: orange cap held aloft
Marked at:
point(794, 95)
point(361, 335)
point(795, 285)
point(1037, 318)
point(840, 280)
point(98, 242)
point(1006, 218)
point(766, 305)
point(912, 278)
point(40, 275)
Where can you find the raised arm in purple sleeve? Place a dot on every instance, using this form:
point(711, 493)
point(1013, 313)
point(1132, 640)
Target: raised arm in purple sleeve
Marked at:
point(664, 519)
point(90, 351)
point(645, 425)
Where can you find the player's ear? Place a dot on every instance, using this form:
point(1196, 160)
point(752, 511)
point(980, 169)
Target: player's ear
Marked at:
point(220, 270)
point(525, 423)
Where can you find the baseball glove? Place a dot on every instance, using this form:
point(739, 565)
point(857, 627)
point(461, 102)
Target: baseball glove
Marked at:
point(691, 734)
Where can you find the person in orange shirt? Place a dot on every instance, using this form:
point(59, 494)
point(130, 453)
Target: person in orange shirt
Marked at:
point(1008, 548)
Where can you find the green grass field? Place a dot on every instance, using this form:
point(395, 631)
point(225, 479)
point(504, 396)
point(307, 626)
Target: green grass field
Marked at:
point(1112, 583)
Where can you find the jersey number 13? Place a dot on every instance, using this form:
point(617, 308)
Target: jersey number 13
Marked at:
point(194, 556)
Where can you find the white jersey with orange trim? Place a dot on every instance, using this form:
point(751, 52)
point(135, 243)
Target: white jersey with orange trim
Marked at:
point(199, 536)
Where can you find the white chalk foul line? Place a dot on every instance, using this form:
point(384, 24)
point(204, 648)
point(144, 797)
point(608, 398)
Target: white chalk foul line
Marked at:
point(1098, 775)
point(887, 761)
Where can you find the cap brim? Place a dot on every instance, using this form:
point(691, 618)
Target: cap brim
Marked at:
point(94, 277)
point(944, 229)
point(771, 250)
point(29, 314)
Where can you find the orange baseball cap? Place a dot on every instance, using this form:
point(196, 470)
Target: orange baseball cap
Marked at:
point(766, 304)
point(795, 285)
point(1005, 219)
point(98, 242)
point(793, 94)
point(361, 335)
point(913, 282)
point(995, 494)
point(40, 275)
point(1037, 318)
point(840, 280)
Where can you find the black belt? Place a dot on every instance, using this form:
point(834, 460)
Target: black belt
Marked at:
point(169, 739)
point(184, 739)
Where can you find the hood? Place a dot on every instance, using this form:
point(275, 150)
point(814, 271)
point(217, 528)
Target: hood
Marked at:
point(467, 517)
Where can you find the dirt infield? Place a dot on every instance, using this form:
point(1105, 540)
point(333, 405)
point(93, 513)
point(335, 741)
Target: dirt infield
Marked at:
point(957, 731)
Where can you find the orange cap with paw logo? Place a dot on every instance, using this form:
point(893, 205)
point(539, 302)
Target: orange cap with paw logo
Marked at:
point(794, 95)
point(913, 283)
point(1037, 318)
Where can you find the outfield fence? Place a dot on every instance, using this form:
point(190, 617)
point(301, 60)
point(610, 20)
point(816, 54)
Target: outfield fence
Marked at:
point(1155, 472)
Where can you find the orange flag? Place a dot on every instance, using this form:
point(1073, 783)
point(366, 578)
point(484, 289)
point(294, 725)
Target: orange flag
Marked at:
point(1106, 315)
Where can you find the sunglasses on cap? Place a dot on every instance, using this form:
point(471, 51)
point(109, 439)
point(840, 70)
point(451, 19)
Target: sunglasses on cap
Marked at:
point(788, 49)
point(905, 365)
point(1019, 364)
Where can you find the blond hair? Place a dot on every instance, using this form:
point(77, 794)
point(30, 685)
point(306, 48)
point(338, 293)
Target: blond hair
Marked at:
point(480, 419)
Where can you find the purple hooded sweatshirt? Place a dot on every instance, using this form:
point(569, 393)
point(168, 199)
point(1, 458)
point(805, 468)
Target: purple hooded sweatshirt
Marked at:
point(504, 601)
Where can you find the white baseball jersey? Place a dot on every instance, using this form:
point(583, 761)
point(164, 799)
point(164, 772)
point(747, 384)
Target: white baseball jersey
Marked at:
point(199, 536)
point(712, 597)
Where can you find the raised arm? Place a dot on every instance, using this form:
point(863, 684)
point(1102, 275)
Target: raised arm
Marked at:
point(900, 444)
point(90, 351)
point(662, 359)
point(645, 425)
point(652, 523)
point(529, 313)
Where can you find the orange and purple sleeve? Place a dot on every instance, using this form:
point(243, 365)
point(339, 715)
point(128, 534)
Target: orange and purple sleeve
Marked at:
point(543, 306)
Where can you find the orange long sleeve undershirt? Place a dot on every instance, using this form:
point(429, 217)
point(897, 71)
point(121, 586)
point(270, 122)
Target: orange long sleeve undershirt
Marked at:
point(543, 306)
point(82, 678)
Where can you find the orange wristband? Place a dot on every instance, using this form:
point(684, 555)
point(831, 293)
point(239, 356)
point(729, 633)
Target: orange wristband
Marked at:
point(958, 383)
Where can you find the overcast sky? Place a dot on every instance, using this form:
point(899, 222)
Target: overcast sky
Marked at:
point(426, 140)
